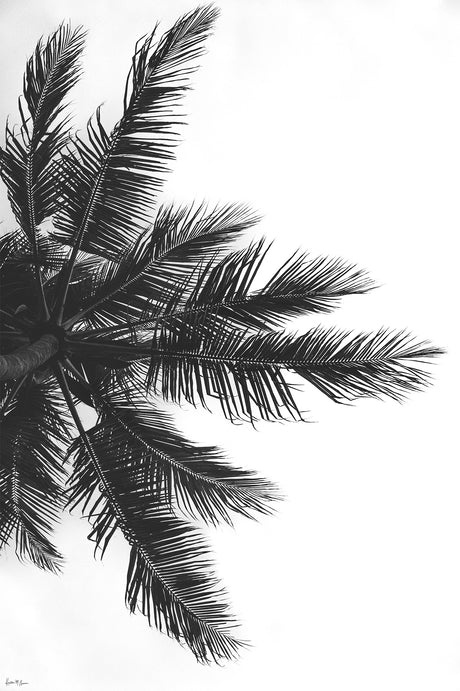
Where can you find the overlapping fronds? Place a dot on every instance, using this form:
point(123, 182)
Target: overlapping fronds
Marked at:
point(162, 262)
point(151, 287)
point(18, 262)
point(34, 430)
point(29, 159)
point(170, 578)
point(195, 478)
point(128, 302)
point(300, 286)
point(113, 179)
point(16, 284)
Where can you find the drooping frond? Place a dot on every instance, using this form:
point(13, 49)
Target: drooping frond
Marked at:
point(28, 161)
point(33, 433)
point(152, 274)
point(170, 578)
point(113, 180)
point(171, 581)
point(195, 478)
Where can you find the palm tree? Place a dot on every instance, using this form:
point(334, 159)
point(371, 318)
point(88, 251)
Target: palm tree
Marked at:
point(120, 304)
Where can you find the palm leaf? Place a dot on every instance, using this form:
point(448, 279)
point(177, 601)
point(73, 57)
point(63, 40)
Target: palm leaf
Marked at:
point(28, 162)
point(197, 478)
point(245, 372)
point(170, 578)
point(299, 287)
point(17, 285)
point(112, 181)
point(152, 274)
point(223, 289)
point(33, 430)
point(17, 278)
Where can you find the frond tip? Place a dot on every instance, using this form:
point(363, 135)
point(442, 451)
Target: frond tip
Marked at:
point(172, 584)
point(170, 578)
point(195, 479)
point(28, 163)
point(112, 181)
point(246, 372)
point(346, 367)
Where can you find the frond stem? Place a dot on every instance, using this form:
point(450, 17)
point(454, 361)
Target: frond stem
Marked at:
point(67, 277)
point(116, 134)
point(61, 377)
point(60, 374)
point(142, 352)
point(16, 320)
point(160, 454)
point(33, 228)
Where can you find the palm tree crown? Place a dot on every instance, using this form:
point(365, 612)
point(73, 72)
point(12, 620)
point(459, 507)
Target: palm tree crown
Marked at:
point(113, 301)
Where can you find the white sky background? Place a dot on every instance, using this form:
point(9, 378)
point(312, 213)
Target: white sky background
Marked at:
point(339, 121)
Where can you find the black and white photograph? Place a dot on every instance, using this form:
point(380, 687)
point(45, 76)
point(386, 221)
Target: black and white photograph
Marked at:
point(229, 346)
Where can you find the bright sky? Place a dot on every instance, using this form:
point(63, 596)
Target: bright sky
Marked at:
point(339, 121)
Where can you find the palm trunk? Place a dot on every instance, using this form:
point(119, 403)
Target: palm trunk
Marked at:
point(28, 358)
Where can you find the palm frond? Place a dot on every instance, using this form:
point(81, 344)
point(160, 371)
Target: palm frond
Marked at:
point(170, 578)
point(28, 161)
point(16, 253)
point(195, 478)
point(299, 287)
point(34, 430)
point(221, 289)
point(19, 297)
point(151, 275)
point(113, 180)
point(12, 245)
point(245, 371)
point(17, 285)
point(345, 366)
point(84, 272)
point(304, 285)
